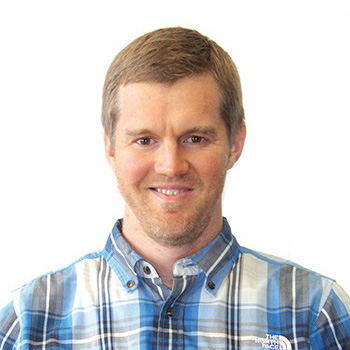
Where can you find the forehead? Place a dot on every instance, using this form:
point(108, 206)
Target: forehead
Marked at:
point(189, 100)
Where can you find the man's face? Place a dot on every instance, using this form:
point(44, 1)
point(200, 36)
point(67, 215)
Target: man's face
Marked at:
point(170, 156)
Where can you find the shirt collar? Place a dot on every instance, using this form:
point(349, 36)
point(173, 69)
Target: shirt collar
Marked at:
point(215, 260)
point(121, 257)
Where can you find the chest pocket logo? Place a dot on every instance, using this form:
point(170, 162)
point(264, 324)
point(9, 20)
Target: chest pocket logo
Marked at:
point(276, 342)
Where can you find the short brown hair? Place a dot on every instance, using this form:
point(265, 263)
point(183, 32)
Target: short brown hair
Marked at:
point(166, 55)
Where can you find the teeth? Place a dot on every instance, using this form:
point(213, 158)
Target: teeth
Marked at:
point(168, 192)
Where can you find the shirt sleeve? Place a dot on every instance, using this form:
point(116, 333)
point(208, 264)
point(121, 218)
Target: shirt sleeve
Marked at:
point(9, 327)
point(331, 330)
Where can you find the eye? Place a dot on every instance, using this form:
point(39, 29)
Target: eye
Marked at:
point(195, 139)
point(145, 141)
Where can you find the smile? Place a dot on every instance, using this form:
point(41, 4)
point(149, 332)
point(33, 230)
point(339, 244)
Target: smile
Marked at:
point(169, 192)
point(172, 191)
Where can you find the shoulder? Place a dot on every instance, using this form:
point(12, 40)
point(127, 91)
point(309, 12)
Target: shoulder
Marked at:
point(285, 278)
point(57, 285)
point(274, 262)
point(50, 293)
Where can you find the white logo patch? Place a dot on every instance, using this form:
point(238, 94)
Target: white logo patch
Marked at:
point(271, 341)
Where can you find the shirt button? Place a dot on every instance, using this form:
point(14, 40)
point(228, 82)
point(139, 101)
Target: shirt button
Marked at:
point(211, 285)
point(170, 312)
point(147, 270)
point(130, 283)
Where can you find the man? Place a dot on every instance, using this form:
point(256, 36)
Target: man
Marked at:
point(171, 275)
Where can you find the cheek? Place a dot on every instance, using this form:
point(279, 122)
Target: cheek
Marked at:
point(210, 166)
point(132, 168)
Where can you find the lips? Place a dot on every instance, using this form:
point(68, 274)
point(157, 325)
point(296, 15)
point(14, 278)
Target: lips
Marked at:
point(170, 191)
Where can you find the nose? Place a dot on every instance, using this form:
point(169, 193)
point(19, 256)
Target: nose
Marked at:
point(170, 160)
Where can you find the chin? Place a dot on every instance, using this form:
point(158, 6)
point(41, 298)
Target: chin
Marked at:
point(176, 231)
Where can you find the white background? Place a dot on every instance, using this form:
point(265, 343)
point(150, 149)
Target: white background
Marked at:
point(287, 196)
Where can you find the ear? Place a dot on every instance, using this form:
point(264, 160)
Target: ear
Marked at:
point(109, 150)
point(237, 146)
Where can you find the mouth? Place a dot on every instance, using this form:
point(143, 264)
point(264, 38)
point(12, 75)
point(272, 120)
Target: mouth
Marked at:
point(171, 192)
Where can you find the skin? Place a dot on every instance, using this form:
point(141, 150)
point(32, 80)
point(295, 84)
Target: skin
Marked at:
point(171, 138)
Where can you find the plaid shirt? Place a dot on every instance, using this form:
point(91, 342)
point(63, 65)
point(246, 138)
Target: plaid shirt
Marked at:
point(223, 297)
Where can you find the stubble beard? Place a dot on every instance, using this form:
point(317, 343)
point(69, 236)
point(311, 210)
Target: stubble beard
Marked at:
point(170, 229)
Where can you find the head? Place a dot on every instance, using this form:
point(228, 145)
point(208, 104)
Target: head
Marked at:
point(165, 56)
point(174, 125)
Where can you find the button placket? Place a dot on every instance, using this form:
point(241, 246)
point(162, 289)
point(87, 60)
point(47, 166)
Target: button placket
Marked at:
point(170, 312)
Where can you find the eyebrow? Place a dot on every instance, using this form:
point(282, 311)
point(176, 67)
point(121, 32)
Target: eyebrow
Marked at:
point(137, 132)
point(206, 130)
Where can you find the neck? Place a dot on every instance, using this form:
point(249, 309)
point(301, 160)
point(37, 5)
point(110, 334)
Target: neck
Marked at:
point(164, 257)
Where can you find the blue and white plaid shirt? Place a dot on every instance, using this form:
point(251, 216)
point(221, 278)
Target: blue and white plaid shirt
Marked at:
point(224, 297)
